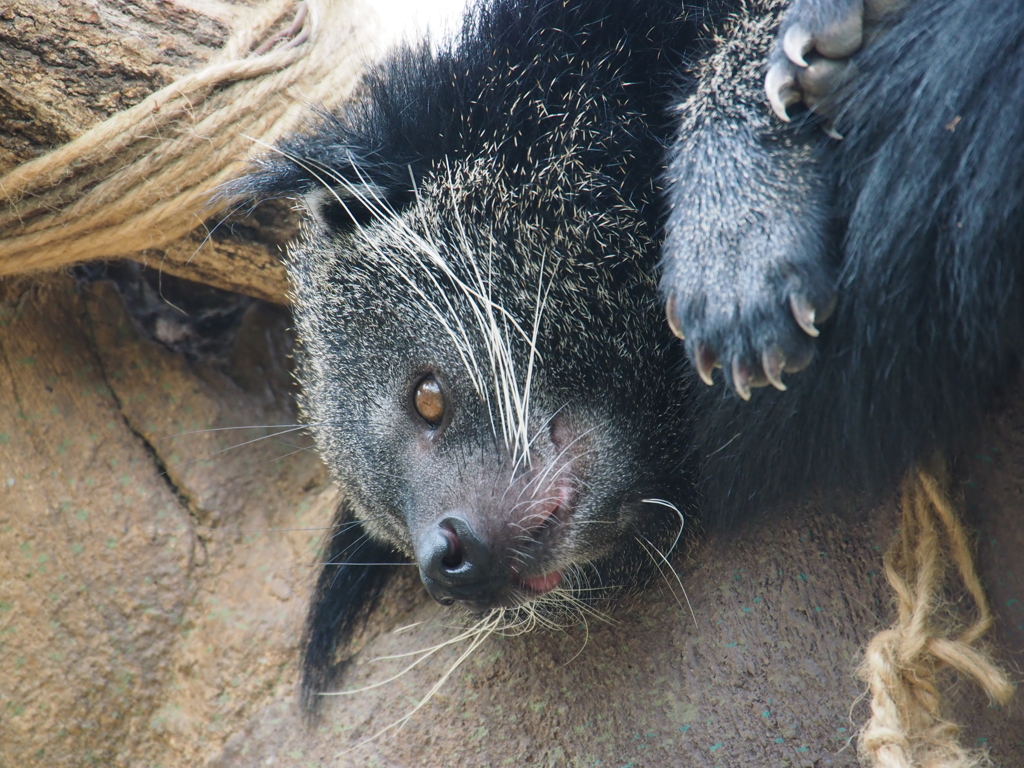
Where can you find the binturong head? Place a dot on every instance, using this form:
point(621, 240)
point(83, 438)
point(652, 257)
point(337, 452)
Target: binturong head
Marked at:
point(471, 384)
point(484, 359)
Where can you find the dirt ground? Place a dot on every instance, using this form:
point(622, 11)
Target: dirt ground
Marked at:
point(156, 555)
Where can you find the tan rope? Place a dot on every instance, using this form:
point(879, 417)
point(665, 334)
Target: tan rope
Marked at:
point(140, 179)
point(906, 728)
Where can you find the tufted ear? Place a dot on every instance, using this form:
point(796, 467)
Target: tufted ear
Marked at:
point(354, 203)
point(341, 182)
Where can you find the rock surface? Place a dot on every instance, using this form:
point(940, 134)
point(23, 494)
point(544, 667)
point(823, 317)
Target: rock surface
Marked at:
point(153, 576)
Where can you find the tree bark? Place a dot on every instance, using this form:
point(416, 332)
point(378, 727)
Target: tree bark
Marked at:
point(74, 67)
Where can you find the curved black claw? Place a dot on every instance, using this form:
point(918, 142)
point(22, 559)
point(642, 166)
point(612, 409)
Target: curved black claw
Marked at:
point(705, 361)
point(773, 361)
point(811, 60)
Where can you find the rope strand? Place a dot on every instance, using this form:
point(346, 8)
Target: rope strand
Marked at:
point(906, 728)
point(140, 179)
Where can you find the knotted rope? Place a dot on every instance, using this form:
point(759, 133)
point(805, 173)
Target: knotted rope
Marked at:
point(906, 728)
point(139, 179)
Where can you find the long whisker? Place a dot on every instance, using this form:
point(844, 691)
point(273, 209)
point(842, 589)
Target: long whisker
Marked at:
point(674, 508)
point(204, 457)
point(286, 427)
point(422, 655)
point(673, 572)
point(555, 462)
point(483, 630)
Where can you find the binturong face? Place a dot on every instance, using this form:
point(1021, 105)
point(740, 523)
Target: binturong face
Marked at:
point(485, 360)
point(495, 394)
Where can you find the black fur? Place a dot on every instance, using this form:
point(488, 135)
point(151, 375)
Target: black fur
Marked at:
point(493, 92)
point(355, 569)
point(525, 73)
point(538, 145)
point(929, 182)
point(751, 222)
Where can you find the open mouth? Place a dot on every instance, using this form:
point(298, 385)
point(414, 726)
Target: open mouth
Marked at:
point(548, 526)
point(539, 585)
point(511, 545)
point(548, 522)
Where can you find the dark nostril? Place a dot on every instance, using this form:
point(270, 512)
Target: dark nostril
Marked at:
point(456, 564)
point(466, 554)
point(453, 557)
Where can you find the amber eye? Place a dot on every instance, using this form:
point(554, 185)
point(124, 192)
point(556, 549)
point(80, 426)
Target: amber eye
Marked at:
point(429, 401)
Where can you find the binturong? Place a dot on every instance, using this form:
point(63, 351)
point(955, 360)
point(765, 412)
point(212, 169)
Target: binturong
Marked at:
point(498, 225)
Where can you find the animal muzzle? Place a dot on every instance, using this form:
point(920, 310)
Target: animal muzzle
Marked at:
point(456, 564)
point(501, 535)
point(483, 563)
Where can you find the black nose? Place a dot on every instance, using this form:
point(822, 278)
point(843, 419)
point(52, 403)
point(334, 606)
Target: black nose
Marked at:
point(455, 564)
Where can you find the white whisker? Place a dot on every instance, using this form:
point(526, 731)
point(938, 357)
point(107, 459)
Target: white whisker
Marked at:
point(673, 571)
point(674, 508)
point(481, 631)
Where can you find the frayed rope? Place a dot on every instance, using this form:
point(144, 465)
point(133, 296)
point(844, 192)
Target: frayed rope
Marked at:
point(906, 728)
point(140, 179)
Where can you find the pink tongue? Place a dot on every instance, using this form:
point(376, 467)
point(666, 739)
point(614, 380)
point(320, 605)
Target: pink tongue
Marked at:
point(542, 584)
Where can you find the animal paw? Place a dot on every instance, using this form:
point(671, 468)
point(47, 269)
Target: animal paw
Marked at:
point(811, 58)
point(756, 330)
